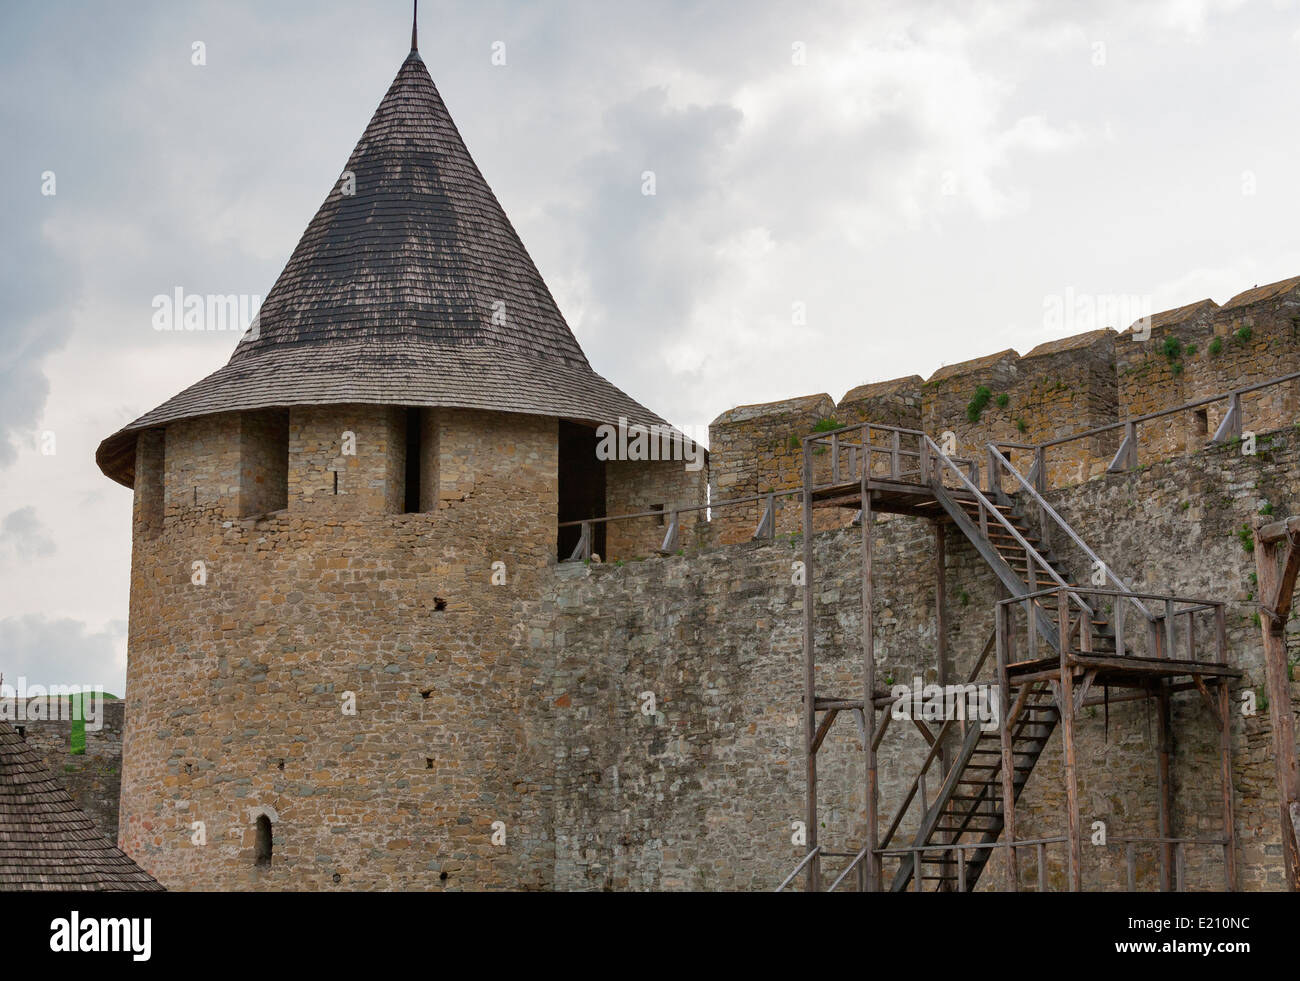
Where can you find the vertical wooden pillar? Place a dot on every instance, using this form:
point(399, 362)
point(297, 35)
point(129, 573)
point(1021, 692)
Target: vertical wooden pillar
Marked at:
point(869, 690)
point(1067, 743)
point(1002, 619)
point(941, 618)
point(1275, 587)
point(1225, 779)
point(809, 674)
point(1165, 787)
point(941, 651)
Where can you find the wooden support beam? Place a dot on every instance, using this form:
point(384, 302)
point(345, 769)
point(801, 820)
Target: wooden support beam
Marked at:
point(1085, 686)
point(1165, 797)
point(828, 720)
point(926, 734)
point(813, 882)
point(1075, 844)
point(941, 619)
point(1002, 629)
point(880, 732)
point(1225, 782)
point(1210, 701)
point(870, 738)
point(1277, 586)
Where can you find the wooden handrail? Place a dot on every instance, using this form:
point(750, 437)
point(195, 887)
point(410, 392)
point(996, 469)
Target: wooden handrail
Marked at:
point(799, 868)
point(1005, 464)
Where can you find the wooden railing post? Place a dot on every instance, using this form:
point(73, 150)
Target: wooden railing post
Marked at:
point(1001, 620)
point(810, 687)
point(1066, 712)
point(671, 537)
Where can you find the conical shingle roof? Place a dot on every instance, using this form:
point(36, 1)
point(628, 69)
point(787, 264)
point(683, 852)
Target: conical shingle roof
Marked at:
point(47, 842)
point(413, 290)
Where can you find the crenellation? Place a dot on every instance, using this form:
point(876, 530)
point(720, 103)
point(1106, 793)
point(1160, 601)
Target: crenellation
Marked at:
point(1069, 385)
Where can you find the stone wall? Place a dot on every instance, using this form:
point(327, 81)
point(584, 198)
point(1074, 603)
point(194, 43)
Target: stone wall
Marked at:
point(1066, 386)
point(238, 690)
point(92, 778)
point(757, 449)
point(702, 793)
point(632, 487)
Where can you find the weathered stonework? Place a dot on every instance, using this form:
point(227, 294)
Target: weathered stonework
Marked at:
point(1066, 386)
point(93, 778)
point(758, 449)
point(632, 487)
point(703, 793)
point(236, 688)
point(523, 724)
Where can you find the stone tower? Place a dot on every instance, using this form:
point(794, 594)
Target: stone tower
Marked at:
point(338, 538)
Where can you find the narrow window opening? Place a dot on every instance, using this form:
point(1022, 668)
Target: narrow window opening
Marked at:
point(414, 433)
point(581, 487)
point(263, 840)
point(150, 481)
point(263, 462)
point(660, 509)
point(428, 762)
point(439, 604)
point(336, 483)
point(1202, 422)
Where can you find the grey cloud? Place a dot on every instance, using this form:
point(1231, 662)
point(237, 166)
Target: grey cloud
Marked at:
point(59, 651)
point(23, 536)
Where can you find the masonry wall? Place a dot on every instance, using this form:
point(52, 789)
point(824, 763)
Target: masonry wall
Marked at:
point(703, 792)
point(240, 690)
point(1059, 388)
point(93, 778)
point(758, 449)
point(635, 486)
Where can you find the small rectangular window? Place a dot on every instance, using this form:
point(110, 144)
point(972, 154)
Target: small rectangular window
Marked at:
point(263, 462)
point(414, 443)
point(150, 468)
point(1202, 422)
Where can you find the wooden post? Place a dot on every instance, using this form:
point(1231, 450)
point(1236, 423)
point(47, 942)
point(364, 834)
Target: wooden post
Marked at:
point(1225, 780)
point(809, 675)
point(1066, 709)
point(941, 620)
point(1165, 787)
point(1276, 589)
point(1002, 619)
point(872, 860)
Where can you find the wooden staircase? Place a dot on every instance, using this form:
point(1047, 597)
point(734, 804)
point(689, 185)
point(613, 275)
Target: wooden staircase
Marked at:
point(968, 807)
point(1056, 641)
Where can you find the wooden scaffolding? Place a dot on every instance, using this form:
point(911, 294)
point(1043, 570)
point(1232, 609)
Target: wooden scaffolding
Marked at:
point(1056, 644)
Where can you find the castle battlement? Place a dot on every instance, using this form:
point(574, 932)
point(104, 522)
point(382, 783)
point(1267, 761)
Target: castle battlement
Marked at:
point(1061, 387)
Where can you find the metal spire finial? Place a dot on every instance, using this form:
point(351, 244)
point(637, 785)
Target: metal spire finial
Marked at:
point(415, 26)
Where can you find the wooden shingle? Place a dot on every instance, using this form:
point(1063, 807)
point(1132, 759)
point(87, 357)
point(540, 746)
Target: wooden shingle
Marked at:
point(414, 290)
point(47, 842)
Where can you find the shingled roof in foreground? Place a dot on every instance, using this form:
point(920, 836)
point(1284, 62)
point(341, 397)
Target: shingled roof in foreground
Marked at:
point(47, 842)
point(414, 290)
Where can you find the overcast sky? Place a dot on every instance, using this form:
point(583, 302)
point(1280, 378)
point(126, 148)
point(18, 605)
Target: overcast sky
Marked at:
point(923, 177)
